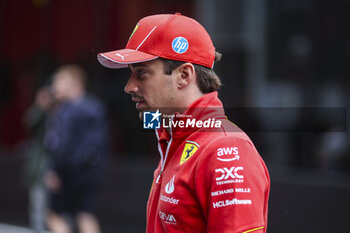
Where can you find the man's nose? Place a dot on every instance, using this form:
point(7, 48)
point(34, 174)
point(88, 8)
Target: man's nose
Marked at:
point(131, 86)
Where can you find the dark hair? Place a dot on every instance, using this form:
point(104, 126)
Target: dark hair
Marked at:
point(207, 80)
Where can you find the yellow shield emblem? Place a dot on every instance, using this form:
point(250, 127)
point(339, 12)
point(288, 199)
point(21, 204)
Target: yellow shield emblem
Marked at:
point(189, 150)
point(133, 32)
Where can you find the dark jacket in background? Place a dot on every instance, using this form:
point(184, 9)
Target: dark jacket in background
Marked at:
point(77, 139)
point(36, 156)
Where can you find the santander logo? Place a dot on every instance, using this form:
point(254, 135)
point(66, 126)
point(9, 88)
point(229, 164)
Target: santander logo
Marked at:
point(169, 188)
point(227, 154)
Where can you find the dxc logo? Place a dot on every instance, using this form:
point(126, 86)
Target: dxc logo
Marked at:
point(229, 173)
point(180, 44)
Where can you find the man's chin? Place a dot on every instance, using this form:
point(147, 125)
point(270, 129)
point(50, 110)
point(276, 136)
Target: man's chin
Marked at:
point(141, 111)
point(141, 115)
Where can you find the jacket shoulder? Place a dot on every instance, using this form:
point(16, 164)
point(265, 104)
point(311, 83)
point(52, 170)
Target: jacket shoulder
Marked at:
point(227, 144)
point(228, 133)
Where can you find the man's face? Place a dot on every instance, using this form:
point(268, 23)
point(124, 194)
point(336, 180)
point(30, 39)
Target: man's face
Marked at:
point(61, 86)
point(150, 88)
point(65, 87)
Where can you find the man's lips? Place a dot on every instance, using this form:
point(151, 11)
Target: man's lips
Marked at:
point(139, 102)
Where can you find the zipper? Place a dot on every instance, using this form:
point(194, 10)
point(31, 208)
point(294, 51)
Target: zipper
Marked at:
point(162, 158)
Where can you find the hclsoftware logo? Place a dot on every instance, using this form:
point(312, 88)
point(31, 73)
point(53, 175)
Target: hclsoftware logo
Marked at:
point(151, 120)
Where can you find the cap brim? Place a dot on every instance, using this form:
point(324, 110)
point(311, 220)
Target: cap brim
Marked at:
point(122, 58)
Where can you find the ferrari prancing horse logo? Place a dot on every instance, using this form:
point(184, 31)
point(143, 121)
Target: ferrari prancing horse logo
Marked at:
point(189, 150)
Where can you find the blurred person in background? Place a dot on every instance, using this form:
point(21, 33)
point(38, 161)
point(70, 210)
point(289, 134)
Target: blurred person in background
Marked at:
point(35, 161)
point(77, 139)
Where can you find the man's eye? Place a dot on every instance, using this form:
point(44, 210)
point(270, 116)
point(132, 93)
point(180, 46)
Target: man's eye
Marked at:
point(141, 73)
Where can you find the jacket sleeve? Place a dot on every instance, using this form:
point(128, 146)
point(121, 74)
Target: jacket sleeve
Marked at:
point(232, 186)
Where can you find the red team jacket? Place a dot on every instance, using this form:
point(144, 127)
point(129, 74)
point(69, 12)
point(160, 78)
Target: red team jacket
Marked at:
point(208, 181)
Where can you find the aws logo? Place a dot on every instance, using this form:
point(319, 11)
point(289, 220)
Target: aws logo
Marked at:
point(227, 154)
point(189, 149)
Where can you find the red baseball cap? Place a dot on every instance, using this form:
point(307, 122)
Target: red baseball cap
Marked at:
point(170, 36)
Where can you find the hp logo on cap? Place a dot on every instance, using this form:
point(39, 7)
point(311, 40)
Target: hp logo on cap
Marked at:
point(180, 44)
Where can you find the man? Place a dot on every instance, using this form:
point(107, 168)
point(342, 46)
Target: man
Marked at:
point(76, 138)
point(36, 158)
point(210, 177)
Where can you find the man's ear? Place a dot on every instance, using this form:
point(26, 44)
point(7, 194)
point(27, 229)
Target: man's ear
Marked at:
point(186, 75)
